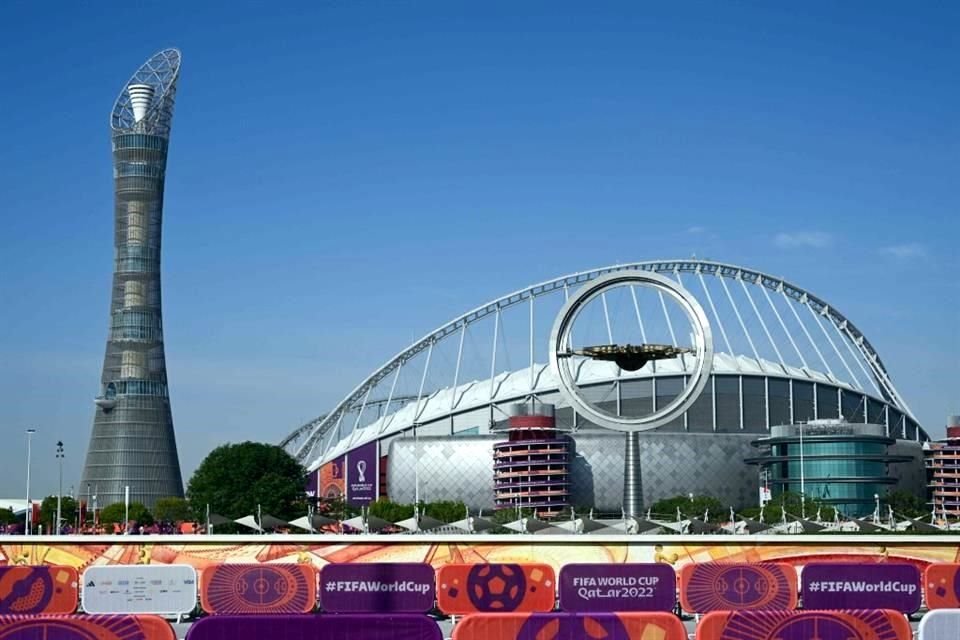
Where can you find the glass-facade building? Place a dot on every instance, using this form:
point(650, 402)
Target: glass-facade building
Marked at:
point(840, 464)
point(132, 444)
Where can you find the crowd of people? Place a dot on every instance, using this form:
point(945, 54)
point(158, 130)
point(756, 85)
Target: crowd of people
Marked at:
point(131, 528)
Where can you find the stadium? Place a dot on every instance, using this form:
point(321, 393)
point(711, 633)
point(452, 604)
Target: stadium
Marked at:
point(797, 400)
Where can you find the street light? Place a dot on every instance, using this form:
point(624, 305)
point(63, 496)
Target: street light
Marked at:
point(27, 517)
point(60, 485)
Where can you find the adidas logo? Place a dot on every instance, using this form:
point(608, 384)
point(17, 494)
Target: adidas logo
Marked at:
point(90, 584)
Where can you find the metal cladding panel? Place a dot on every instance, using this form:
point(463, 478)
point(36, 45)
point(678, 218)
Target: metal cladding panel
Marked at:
point(942, 624)
point(377, 587)
point(132, 443)
point(872, 624)
point(47, 589)
point(941, 586)
point(342, 626)
point(85, 627)
point(258, 588)
point(631, 586)
point(570, 626)
point(715, 586)
point(460, 468)
point(120, 589)
point(861, 585)
point(495, 588)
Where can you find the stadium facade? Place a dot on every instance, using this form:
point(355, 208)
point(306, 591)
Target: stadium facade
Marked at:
point(436, 413)
point(132, 443)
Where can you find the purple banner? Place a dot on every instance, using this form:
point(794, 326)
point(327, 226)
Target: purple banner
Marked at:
point(363, 469)
point(377, 587)
point(313, 485)
point(617, 587)
point(861, 586)
point(332, 627)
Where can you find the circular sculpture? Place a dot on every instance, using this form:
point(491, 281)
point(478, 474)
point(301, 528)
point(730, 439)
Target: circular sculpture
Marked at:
point(631, 357)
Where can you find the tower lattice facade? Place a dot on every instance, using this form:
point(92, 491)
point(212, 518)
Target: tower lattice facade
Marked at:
point(133, 443)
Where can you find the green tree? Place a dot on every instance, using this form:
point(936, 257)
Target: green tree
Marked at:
point(336, 508)
point(445, 510)
point(906, 504)
point(690, 507)
point(791, 503)
point(7, 516)
point(234, 478)
point(113, 513)
point(48, 511)
point(391, 511)
point(172, 510)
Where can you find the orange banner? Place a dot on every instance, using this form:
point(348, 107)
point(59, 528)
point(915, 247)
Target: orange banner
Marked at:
point(715, 586)
point(870, 624)
point(36, 590)
point(258, 588)
point(495, 588)
point(941, 586)
point(570, 626)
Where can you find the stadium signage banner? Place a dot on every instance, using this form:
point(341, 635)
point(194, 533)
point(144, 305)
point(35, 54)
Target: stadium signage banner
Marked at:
point(30, 590)
point(160, 589)
point(870, 624)
point(861, 586)
point(363, 626)
point(737, 586)
point(560, 625)
point(406, 587)
point(363, 469)
point(942, 586)
point(495, 588)
point(617, 587)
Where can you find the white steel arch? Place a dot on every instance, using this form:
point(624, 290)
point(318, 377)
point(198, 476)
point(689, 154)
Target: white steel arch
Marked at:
point(307, 439)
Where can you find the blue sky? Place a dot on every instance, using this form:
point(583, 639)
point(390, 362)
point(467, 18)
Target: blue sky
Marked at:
point(345, 177)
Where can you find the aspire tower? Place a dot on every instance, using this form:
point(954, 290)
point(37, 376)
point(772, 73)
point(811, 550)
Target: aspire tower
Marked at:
point(133, 443)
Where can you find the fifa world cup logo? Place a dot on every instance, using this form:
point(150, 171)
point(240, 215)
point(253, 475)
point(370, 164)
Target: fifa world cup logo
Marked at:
point(361, 470)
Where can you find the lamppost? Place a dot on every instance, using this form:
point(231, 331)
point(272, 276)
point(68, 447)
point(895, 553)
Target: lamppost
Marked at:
point(59, 485)
point(803, 487)
point(27, 516)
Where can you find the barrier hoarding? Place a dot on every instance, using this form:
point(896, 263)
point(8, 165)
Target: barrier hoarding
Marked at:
point(570, 626)
point(831, 585)
point(160, 589)
point(875, 624)
point(941, 586)
point(258, 588)
point(942, 624)
point(617, 587)
point(85, 628)
point(380, 587)
point(714, 586)
point(342, 626)
point(495, 588)
point(38, 590)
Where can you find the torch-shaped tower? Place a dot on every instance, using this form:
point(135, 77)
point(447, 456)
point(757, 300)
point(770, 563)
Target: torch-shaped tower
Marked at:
point(133, 444)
